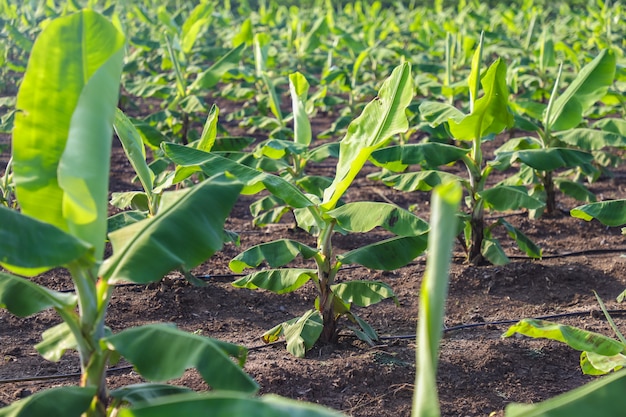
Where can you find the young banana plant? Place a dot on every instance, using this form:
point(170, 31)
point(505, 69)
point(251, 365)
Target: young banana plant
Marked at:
point(381, 119)
point(563, 142)
point(488, 115)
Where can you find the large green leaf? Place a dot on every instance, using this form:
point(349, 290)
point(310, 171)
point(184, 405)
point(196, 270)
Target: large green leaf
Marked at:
point(424, 180)
point(227, 404)
point(602, 397)
point(363, 293)
point(280, 281)
point(589, 86)
point(54, 402)
point(302, 333)
point(591, 139)
point(276, 253)
point(490, 113)
point(381, 118)
point(254, 180)
point(437, 113)
point(388, 254)
point(611, 213)
point(547, 159)
point(507, 197)
point(30, 247)
point(23, 297)
point(187, 230)
point(64, 126)
point(363, 216)
point(429, 155)
point(574, 337)
point(175, 351)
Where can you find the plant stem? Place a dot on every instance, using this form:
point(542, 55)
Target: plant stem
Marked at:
point(92, 302)
point(548, 186)
point(326, 273)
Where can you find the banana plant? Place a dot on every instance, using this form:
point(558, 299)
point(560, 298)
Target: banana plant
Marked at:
point(322, 217)
point(488, 115)
point(292, 156)
point(61, 148)
point(563, 141)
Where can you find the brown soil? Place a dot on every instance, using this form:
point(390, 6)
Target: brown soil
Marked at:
point(479, 373)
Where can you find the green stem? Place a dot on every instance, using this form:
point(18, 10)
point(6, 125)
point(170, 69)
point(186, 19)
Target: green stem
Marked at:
point(326, 273)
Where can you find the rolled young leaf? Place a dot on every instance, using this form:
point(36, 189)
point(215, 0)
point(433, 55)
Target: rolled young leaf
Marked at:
point(433, 294)
point(589, 86)
point(299, 89)
point(134, 148)
point(490, 113)
point(63, 130)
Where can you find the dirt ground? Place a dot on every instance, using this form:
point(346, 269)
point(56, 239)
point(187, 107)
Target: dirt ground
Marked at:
point(479, 372)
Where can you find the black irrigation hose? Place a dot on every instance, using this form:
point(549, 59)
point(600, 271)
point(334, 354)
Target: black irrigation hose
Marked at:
point(500, 322)
point(398, 337)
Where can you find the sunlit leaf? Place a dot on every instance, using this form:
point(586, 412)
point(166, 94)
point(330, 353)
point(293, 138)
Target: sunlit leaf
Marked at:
point(611, 213)
point(589, 86)
point(63, 130)
point(602, 397)
point(574, 337)
point(381, 118)
point(490, 113)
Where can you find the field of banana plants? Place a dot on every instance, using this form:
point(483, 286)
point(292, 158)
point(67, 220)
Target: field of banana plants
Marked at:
point(322, 208)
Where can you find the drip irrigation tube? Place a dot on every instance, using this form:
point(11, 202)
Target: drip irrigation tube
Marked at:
point(263, 346)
